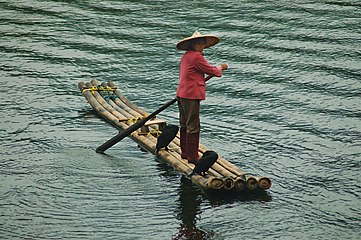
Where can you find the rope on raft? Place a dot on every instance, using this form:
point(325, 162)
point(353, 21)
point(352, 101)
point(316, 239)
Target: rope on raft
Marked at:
point(99, 88)
point(106, 91)
point(154, 132)
point(131, 120)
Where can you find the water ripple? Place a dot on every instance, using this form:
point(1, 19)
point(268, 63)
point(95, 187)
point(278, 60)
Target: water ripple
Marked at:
point(288, 107)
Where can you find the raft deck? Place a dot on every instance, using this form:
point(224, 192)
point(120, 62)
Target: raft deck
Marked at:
point(109, 103)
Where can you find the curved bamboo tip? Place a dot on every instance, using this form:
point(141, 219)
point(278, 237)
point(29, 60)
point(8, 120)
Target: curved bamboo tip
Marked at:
point(240, 184)
point(216, 183)
point(95, 82)
point(112, 84)
point(81, 86)
point(252, 183)
point(228, 183)
point(264, 182)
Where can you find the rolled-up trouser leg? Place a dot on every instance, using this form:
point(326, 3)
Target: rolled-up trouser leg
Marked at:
point(192, 147)
point(183, 142)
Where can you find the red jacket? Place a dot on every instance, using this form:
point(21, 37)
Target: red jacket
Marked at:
point(192, 83)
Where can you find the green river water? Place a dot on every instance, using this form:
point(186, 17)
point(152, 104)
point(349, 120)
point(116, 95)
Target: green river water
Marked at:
point(289, 108)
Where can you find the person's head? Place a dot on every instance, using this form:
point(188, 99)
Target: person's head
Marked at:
point(197, 42)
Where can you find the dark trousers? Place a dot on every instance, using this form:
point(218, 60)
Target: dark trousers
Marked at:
point(190, 128)
point(189, 114)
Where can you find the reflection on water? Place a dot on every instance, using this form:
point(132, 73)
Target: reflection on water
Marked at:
point(190, 200)
point(288, 108)
point(188, 211)
point(224, 197)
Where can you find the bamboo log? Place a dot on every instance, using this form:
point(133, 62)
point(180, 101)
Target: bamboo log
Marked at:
point(126, 101)
point(121, 110)
point(241, 181)
point(229, 181)
point(226, 169)
point(97, 107)
point(214, 170)
point(240, 184)
point(108, 107)
point(217, 166)
point(264, 182)
point(222, 174)
point(180, 166)
point(126, 110)
point(118, 101)
point(104, 108)
point(215, 180)
point(251, 181)
point(124, 106)
point(218, 171)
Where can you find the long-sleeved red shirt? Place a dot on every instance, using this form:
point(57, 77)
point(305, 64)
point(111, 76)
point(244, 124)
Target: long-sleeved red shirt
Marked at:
point(193, 67)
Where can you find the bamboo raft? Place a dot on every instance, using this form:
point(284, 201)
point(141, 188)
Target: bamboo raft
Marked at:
point(108, 101)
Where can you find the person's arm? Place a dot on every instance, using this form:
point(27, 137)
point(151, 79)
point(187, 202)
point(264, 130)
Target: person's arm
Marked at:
point(203, 66)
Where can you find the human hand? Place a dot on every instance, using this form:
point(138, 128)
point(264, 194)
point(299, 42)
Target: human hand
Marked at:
point(224, 66)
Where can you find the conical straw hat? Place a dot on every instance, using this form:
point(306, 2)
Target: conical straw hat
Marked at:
point(211, 40)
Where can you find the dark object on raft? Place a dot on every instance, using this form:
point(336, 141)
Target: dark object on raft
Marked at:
point(169, 132)
point(205, 163)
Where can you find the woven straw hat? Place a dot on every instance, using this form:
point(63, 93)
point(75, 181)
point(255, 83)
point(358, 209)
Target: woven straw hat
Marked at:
point(211, 40)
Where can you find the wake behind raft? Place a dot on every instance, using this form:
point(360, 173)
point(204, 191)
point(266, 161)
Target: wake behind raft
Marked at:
point(110, 104)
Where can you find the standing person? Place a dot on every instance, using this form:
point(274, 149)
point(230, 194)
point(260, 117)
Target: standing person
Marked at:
point(192, 89)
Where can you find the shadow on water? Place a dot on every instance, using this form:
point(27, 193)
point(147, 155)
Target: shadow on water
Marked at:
point(190, 200)
point(219, 197)
point(191, 197)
